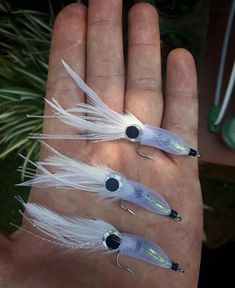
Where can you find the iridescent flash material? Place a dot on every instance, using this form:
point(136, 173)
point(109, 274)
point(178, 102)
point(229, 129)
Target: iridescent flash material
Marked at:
point(102, 180)
point(138, 247)
point(97, 122)
point(78, 233)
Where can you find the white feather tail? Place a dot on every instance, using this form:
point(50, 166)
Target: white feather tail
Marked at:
point(95, 121)
point(70, 174)
point(75, 233)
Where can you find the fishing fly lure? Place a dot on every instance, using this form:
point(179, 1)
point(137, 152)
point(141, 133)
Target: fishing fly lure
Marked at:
point(97, 122)
point(94, 234)
point(102, 180)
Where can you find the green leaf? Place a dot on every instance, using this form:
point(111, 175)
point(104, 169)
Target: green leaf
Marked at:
point(12, 148)
point(25, 41)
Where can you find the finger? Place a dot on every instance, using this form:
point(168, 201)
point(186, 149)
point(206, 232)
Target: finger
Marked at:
point(68, 43)
point(143, 96)
point(105, 63)
point(181, 107)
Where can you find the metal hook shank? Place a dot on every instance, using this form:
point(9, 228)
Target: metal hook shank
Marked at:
point(125, 208)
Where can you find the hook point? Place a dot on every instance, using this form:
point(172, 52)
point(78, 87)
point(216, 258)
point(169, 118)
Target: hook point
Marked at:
point(123, 266)
point(143, 154)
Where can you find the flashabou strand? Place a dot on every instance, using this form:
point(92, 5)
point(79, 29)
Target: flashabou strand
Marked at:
point(102, 180)
point(97, 122)
point(69, 173)
point(69, 232)
point(95, 235)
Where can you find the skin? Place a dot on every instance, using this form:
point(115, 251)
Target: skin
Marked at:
point(90, 41)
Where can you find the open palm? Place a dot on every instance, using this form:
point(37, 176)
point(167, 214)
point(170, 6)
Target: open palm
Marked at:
point(91, 43)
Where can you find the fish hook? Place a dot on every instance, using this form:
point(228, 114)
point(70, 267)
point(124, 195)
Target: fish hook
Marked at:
point(143, 154)
point(121, 265)
point(125, 208)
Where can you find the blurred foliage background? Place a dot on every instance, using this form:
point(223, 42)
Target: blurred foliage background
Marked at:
point(25, 32)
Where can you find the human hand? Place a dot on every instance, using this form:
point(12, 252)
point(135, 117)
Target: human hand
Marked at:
point(36, 263)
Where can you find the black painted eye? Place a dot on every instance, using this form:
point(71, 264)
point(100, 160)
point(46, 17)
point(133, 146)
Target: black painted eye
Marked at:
point(113, 241)
point(132, 132)
point(112, 184)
